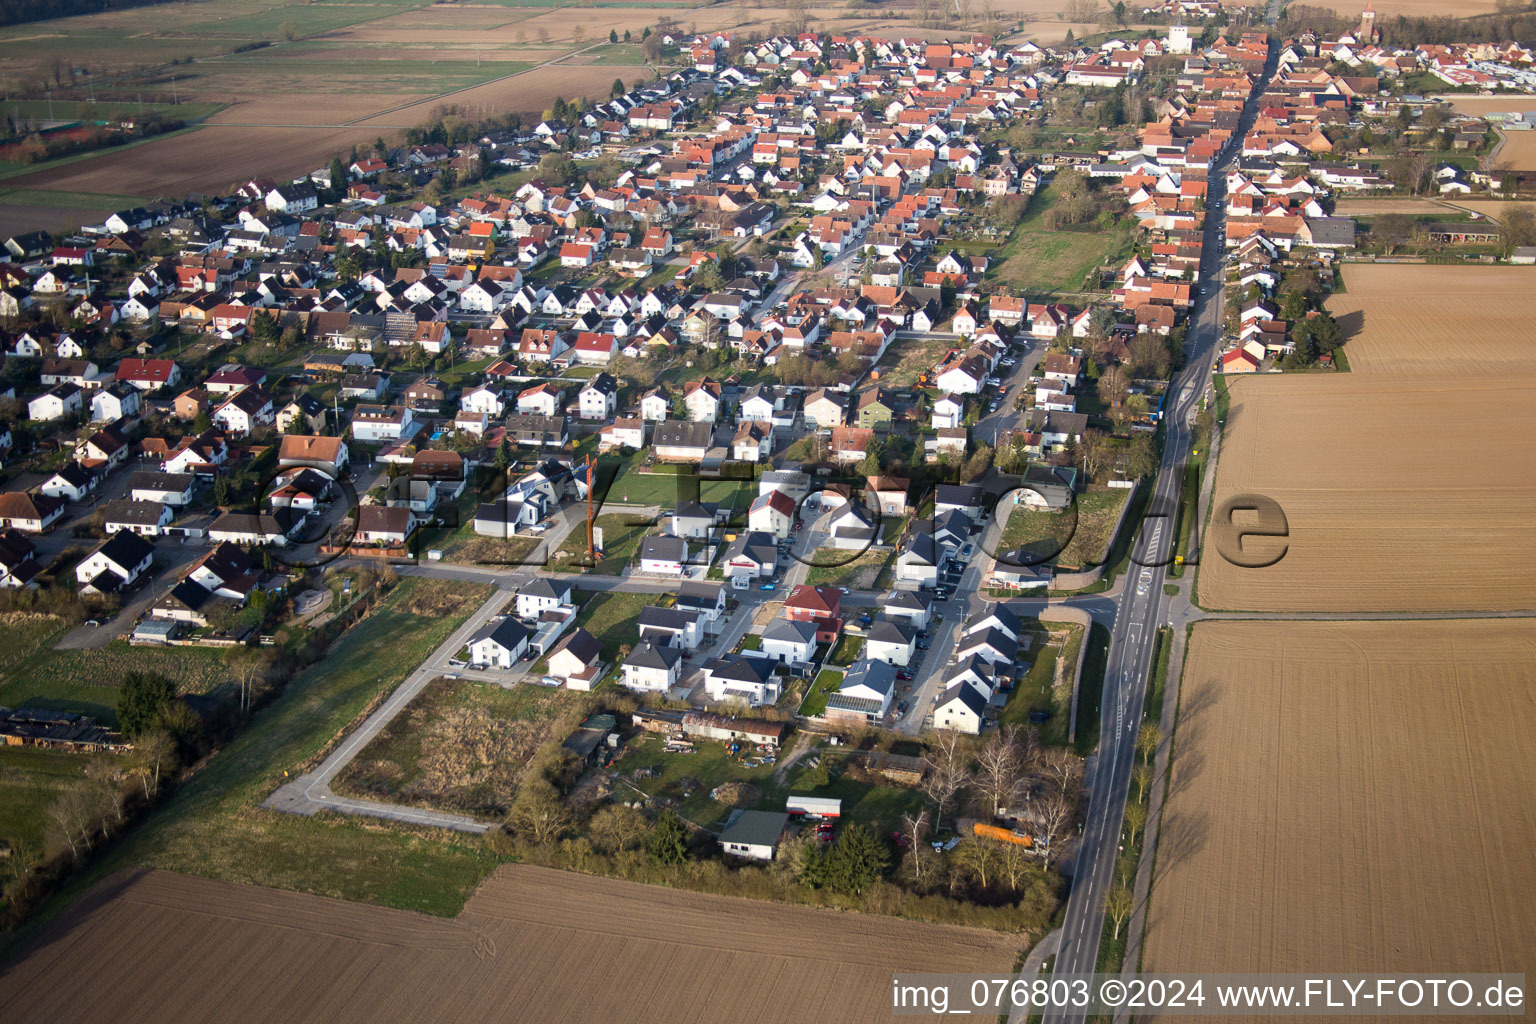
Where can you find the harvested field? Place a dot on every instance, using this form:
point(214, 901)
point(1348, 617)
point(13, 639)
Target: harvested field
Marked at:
point(1386, 9)
point(1350, 796)
point(1401, 494)
point(308, 108)
point(16, 218)
point(1481, 105)
point(1380, 207)
point(531, 91)
point(204, 160)
point(1394, 319)
point(648, 954)
point(1493, 209)
point(1518, 151)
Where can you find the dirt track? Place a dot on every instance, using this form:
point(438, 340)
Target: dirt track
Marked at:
point(1351, 796)
point(531, 945)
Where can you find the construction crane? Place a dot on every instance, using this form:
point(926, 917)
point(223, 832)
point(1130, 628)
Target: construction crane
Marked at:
point(591, 511)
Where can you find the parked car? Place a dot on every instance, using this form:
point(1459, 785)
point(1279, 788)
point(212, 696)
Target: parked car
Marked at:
point(903, 675)
point(768, 586)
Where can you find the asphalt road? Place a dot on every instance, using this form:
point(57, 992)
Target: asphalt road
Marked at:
point(1142, 605)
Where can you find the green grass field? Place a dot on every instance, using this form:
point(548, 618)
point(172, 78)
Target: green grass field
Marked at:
point(1080, 540)
point(610, 617)
point(815, 703)
point(33, 674)
point(213, 825)
point(31, 780)
point(1046, 263)
point(861, 573)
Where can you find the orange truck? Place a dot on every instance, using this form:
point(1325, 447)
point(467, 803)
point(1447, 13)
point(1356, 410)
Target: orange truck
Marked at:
point(1001, 834)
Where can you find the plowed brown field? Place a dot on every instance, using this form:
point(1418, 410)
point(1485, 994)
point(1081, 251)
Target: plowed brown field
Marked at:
point(1411, 494)
point(1438, 321)
point(1351, 796)
point(532, 945)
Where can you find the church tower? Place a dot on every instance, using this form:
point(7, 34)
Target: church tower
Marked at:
point(1367, 33)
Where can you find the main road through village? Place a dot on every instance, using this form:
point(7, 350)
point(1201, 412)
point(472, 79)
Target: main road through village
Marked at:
point(1142, 606)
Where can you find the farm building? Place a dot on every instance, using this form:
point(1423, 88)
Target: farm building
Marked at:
point(754, 834)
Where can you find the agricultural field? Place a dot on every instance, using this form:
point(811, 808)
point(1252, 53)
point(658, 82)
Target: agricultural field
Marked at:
point(1400, 493)
point(1350, 796)
point(33, 674)
point(1493, 209)
point(511, 947)
point(1394, 323)
point(1381, 207)
point(462, 745)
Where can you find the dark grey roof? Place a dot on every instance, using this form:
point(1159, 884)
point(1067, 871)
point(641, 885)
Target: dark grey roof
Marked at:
point(680, 434)
point(667, 549)
point(790, 632)
point(152, 480)
point(876, 675)
point(699, 595)
point(963, 495)
point(758, 546)
point(994, 638)
point(1005, 618)
point(133, 513)
point(908, 600)
point(557, 590)
point(126, 548)
point(583, 645)
point(648, 655)
point(891, 633)
point(755, 828)
point(671, 619)
point(966, 694)
point(509, 633)
point(746, 670)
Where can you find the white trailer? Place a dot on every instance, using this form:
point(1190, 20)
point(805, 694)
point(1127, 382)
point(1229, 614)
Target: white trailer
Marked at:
point(814, 806)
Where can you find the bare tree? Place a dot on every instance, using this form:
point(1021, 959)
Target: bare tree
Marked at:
point(948, 770)
point(1142, 776)
point(72, 818)
point(1054, 810)
point(1135, 818)
point(617, 828)
point(1000, 764)
point(1118, 905)
point(1147, 739)
point(1060, 768)
point(915, 828)
point(539, 814)
point(250, 668)
point(980, 858)
point(1014, 863)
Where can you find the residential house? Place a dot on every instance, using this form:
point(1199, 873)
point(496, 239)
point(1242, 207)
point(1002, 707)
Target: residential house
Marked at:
point(116, 564)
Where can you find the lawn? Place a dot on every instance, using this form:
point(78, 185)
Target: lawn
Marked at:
point(213, 825)
point(610, 617)
point(1041, 262)
point(621, 534)
point(847, 650)
point(815, 703)
point(33, 674)
point(667, 486)
point(1037, 690)
point(461, 745)
point(1062, 539)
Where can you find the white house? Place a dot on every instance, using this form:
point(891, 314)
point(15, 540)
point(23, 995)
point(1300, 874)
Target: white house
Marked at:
point(789, 642)
point(499, 644)
point(671, 627)
point(750, 680)
point(651, 669)
point(663, 556)
point(754, 835)
point(117, 562)
point(599, 398)
point(865, 692)
point(890, 642)
point(540, 596)
point(577, 660)
point(772, 513)
point(961, 708)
